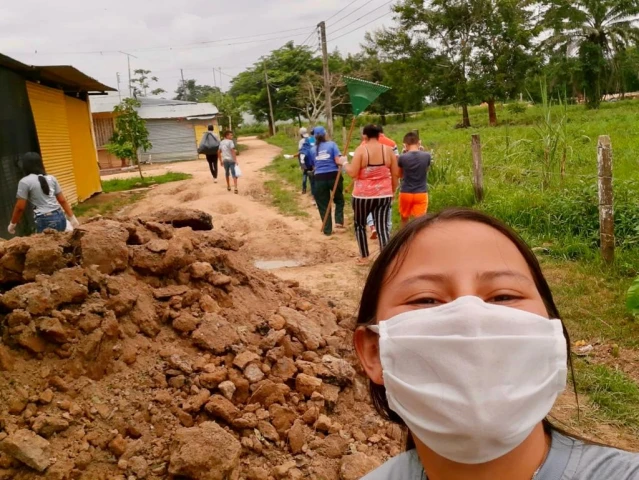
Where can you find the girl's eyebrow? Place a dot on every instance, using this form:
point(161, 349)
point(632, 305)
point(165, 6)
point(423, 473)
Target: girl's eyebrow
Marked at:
point(503, 273)
point(483, 276)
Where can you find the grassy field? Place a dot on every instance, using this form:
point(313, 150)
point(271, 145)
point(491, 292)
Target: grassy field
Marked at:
point(124, 184)
point(558, 216)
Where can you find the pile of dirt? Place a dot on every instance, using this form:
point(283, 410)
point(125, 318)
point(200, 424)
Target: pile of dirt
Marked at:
point(136, 349)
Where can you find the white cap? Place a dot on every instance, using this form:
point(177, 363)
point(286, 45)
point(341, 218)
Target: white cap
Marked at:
point(303, 132)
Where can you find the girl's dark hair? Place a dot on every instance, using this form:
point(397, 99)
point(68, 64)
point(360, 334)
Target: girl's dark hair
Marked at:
point(32, 165)
point(372, 131)
point(395, 252)
point(319, 139)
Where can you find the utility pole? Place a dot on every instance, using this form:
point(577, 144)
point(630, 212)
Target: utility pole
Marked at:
point(327, 79)
point(270, 102)
point(214, 78)
point(119, 93)
point(182, 74)
point(128, 57)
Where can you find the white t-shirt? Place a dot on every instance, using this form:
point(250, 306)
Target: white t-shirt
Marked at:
point(227, 147)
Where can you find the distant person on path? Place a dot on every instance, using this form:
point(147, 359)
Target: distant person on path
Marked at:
point(44, 194)
point(413, 170)
point(306, 159)
point(327, 156)
point(384, 140)
point(210, 146)
point(228, 159)
point(376, 175)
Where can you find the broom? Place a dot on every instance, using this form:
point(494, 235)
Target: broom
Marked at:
point(362, 94)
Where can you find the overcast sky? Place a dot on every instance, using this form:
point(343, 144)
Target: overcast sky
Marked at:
point(74, 32)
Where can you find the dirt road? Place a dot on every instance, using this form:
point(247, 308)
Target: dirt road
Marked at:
point(326, 265)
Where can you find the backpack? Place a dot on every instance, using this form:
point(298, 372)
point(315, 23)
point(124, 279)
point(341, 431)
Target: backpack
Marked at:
point(209, 144)
point(307, 153)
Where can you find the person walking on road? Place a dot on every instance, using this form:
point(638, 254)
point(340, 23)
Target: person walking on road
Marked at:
point(413, 170)
point(228, 159)
point(44, 194)
point(210, 146)
point(327, 157)
point(306, 159)
point(376, 175)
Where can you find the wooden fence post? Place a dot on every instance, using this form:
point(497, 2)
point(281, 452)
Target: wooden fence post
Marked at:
point(606, 208)
point(478, 173)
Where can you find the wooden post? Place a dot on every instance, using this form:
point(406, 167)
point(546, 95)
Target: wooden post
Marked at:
point(478, 173)
point(344, 134)
point(606, 209)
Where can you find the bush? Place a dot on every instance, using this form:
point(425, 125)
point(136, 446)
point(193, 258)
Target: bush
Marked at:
point(517, 108)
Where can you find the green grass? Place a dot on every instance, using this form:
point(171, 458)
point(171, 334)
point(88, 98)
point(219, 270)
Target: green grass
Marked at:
point(106, 204)
point(121, 185)
point(614, 394)
point(284, 198)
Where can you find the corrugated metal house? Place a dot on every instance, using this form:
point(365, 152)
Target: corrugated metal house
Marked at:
point(46, 110)
point(175, 127)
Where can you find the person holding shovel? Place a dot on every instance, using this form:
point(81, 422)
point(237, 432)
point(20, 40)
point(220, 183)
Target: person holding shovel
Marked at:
point(45, 195)
point(326, 173)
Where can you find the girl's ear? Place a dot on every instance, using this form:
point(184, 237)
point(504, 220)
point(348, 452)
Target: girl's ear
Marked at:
point(367, 348)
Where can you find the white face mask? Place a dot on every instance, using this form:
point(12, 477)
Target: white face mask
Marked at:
point(470, 379)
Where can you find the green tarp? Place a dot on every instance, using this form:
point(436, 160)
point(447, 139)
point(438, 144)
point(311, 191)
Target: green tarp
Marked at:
point(363, 93)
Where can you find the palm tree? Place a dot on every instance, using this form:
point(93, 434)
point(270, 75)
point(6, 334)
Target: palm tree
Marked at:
point(595, 30)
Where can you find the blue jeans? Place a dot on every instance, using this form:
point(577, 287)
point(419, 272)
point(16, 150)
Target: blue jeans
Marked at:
point(371, 223)
point(54, 220)
point(229, 169)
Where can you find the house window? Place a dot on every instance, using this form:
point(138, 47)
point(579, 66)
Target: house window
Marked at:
point(103, 131)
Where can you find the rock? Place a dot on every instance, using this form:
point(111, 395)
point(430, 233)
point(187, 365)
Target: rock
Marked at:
point(157, 246)
point(248, 420)
point(268, 431)
point(269, 393)
point(211, 380)
point(297, 436)
point(32, 342)
point(323, 424)
point(6, 359)
point(191, 453)
point(29, 448)
point(83, 460)
point(331, 395)
point(282, 418)
point(284, 368)
point(311, 415)
point(227, 388)
point(53, 329)
point(169, 292)
point(46, 425)
point(46, 396)
point(181, 218)
point(356, 466)
point(208, 305)
point(122, 295)
point(17, 405)
point(307, 385)
point(179, 363)
point(244, 358)
point(253, 373)
point(139, 466)
point(201, 270)
point(273, 338)
point(145, 316)
point(118, 446)
point(44, 257)
point(340, 372)
point(103, 244)
point(220, 407)
point(333, 446)
point(257, 473)
point(215, 334)
point(302, 328)
point(277, 322)
point(186, 323)
point(196, 402)
point(281, 471)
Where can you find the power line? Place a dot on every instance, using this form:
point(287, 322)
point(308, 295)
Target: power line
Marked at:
point(361, 26)
point(364, 16)
point(341, 19)
point(336, 14)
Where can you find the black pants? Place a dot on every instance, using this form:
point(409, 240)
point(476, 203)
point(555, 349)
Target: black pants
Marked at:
point(212, 159)
point(323, 188)
point(380, 209)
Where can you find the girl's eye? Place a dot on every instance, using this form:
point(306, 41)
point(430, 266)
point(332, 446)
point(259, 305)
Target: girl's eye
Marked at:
point(423, 301)
point(503, 298)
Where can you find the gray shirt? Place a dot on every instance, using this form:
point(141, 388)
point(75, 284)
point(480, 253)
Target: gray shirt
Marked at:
point(30, 189)
point(568, 459)
point(227, 147)
point(415, 166)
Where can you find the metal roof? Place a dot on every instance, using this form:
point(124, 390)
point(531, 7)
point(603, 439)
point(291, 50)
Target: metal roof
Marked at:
point(64, 77)
point(155, 108)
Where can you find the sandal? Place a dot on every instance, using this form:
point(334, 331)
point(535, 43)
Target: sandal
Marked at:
point(339, 226)
point(236, 191)
point(228, 188)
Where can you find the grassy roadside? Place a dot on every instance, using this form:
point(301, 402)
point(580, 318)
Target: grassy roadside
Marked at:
point(590, 296)
point(124, 184)
point(107, 203)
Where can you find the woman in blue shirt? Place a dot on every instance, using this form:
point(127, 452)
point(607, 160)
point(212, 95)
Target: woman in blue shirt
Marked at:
point(326, 169)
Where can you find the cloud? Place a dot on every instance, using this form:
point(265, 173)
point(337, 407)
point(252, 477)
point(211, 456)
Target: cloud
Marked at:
point(61, 32)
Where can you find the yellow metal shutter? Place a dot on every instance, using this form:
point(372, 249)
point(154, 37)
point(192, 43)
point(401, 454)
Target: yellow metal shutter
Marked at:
point(85, 160)
point(50, 115)
point(199, 132)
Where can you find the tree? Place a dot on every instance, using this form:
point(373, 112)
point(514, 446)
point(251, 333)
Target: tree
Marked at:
point(142, 82)
point(130, 135)
point(311, 96)
point(596, 30)
point(190, 91)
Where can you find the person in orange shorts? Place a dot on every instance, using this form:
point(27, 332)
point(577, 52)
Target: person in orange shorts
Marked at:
point(414, 165)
